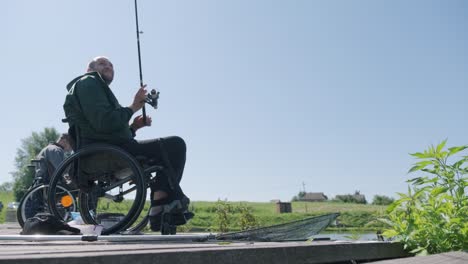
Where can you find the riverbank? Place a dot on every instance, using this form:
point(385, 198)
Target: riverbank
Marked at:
point(353, 217)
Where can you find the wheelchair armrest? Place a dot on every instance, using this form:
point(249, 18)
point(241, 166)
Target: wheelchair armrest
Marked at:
point(34, 162)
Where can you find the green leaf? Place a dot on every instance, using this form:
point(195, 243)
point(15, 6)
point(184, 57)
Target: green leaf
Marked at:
point(420, 192)
point(458, 164)
point(430, 171)
point(455, 150)
point(441, 146)
point(461, 192)
point(390, 233)
point(385, 221)
point(414, 179)
point(416, 168)
point(420, 165)
point(402, 195)
point(393, 205)
point(438, 190)
point(420, 155)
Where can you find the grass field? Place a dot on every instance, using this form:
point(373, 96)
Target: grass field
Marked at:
point(5, 198)
point(353, 216)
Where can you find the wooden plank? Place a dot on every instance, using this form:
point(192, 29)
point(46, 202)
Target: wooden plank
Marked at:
point(140, 251)
point(72, 252)
point(457, 257)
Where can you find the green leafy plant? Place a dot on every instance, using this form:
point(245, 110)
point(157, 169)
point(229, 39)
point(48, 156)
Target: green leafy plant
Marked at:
point(433, 216)
point(223, 216)
point(247, 219)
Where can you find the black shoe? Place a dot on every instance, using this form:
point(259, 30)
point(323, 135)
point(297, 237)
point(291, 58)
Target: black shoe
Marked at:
point(167, 210)
point(173, 214)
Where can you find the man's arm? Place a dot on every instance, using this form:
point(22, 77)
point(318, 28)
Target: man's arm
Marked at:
point(97, 108)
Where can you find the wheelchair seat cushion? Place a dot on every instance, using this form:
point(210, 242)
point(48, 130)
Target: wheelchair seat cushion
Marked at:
point(98, 164)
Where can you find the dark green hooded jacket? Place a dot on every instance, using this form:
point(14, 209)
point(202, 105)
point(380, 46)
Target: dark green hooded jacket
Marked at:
point(91, 105)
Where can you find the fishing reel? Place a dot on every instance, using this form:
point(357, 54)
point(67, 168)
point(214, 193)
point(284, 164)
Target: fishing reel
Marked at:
point(152, 98)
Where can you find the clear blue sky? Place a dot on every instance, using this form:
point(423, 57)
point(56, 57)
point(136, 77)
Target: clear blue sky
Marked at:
point(267, 94)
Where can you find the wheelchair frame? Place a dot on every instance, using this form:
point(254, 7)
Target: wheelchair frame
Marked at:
point(89, 194)
point(100, 187)
point(38, 193)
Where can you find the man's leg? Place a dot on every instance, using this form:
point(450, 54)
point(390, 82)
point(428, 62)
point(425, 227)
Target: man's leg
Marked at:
point(175, 149)
point(161, 192)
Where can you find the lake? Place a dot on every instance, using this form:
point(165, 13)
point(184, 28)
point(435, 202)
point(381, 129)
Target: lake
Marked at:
point(349, 236)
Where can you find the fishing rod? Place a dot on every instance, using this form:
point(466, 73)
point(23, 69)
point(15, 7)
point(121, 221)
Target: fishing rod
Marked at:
point(152, 97)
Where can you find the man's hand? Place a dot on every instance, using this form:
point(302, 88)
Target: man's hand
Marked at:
point(139, 99)
point(138, 122)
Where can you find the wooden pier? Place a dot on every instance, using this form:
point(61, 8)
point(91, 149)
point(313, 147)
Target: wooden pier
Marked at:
point(186, 251)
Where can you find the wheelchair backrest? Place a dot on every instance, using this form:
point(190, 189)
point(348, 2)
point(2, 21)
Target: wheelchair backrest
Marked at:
point(96, 165)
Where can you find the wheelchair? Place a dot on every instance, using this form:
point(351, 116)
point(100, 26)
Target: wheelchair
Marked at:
point(113, 188)
point(35, 200)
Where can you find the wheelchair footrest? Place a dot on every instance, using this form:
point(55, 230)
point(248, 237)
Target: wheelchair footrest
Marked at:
point(172, 215)
point(171, 221)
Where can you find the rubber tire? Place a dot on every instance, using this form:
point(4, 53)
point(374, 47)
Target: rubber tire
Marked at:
point(140, 183)
point(20, 211)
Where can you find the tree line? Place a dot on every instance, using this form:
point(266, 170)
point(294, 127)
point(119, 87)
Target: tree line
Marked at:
point(357, 198)
point(23, 174)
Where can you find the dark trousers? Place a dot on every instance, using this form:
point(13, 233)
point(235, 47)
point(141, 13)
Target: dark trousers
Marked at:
point(175, 149)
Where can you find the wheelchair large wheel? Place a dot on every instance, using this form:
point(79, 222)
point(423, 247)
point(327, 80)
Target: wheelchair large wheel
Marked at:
point(112, 186)
point(35, 201)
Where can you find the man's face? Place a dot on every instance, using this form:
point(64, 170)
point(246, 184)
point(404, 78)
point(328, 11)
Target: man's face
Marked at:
point(106, 69)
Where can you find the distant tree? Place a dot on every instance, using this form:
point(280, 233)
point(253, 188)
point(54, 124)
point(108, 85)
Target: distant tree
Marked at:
point(357, 197)
point(30, 147)
point(382, 200)
point(6, 187)
point(298, 197)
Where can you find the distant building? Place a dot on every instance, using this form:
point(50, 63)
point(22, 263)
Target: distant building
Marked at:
point(314, 197)
point(282, 207)
point(275, 201)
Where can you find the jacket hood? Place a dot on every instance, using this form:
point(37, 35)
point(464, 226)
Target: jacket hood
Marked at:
point(95, 74)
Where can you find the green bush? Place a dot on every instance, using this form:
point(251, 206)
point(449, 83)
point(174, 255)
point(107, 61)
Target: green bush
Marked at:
point(247, 219)
point(433, 216)
point(357, 197)
point(229, 217)
point(382, 200)
point(223, 216)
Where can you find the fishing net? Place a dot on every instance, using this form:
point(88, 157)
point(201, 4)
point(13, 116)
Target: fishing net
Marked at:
point(299, 230)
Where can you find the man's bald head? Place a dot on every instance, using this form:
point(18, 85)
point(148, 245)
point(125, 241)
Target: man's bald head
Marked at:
point(103, 66)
